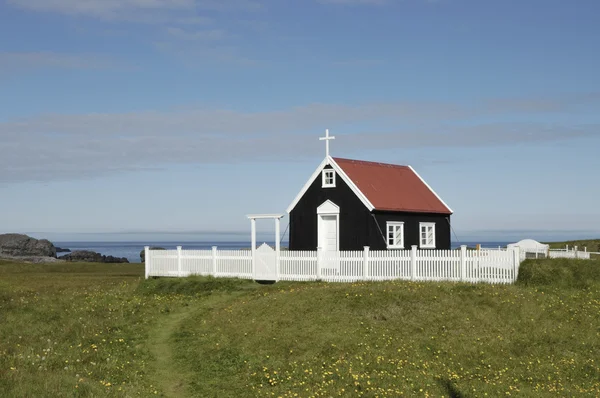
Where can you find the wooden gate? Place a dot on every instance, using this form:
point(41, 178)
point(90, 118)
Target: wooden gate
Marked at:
point(265, 263)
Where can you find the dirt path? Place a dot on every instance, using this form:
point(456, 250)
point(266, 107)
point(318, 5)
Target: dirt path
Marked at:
point(169, 377)
point(166, 372)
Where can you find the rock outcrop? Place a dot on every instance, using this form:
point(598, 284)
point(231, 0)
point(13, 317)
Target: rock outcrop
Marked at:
point(19, 245)
point(61, 250)
point(92, 257)
point(143, 252)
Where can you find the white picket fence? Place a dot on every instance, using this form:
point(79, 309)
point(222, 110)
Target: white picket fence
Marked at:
point(498, 266)
point(543, 251)
point(576, 254)
point(181, 263)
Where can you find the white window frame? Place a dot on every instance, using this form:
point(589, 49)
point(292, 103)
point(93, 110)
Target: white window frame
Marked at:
point(324, 178)
point(393, 225)
point(426, 245)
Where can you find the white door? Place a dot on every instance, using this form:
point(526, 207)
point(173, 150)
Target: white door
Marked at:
point(329, 229)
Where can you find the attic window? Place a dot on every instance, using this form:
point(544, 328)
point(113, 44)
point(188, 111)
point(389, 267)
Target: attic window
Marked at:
point(328, 178)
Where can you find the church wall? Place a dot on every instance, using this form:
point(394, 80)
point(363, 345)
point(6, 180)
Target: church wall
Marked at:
point(358, 227)
point(412, 227)
point(356, 224)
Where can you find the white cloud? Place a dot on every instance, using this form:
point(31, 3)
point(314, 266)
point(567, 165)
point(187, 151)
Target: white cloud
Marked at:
point(51, 147)
point(193, 31)
point(131, 9)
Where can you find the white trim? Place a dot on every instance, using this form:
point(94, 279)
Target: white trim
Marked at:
point(387, 236)
point(324, 178)
point(328, 208)
point(427, 185)
point(329, 160)
point(426, 224)
point(314, 175)
point(257, 216)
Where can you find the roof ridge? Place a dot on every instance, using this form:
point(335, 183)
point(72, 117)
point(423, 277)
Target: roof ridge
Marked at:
point(371, 162)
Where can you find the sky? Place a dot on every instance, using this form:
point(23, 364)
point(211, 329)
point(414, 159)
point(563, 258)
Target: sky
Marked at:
point(174, 119)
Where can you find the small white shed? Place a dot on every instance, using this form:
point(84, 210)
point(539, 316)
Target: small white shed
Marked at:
point(530, 248)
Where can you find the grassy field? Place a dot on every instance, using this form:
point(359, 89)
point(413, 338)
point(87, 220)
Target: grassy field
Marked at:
point(101, 330)
point(592, 245)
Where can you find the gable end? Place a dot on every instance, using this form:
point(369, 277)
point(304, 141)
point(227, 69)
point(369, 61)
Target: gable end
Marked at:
point(340, 173)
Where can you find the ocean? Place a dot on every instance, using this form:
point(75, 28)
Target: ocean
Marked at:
point(131, 250)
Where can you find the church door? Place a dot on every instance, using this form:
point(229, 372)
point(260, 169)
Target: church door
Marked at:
point(329, 232)
point(328, 228)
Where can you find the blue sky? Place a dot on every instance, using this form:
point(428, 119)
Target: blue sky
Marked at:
point(131, 119)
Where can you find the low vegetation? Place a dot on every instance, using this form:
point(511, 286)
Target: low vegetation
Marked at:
point(592, 245)
point(101, 330)
point(76, 330)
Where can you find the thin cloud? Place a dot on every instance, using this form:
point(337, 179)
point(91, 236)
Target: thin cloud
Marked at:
point(51, 147)
point(561, 104)
point(136, 10)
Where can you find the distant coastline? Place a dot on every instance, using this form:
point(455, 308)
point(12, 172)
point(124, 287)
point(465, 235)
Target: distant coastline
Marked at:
point(131, 249)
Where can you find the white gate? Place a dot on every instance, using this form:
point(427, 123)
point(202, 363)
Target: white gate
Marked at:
point(265, 263)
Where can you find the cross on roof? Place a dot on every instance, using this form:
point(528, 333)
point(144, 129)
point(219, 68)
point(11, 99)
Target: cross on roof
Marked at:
point(326, 139)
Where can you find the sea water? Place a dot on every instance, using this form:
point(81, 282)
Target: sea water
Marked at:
point(131, 250)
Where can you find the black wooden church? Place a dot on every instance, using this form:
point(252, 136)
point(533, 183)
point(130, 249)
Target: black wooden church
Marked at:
point(348, 204)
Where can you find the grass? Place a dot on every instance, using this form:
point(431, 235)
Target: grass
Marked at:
point(592, 245)
point(101, 330)
point(77, 330)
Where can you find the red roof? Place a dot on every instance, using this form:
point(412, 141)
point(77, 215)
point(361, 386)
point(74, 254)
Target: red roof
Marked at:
point(392, 187)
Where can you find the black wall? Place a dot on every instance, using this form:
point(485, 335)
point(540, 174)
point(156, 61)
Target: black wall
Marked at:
point(358, 227)
point(412, 229)
point(356, 224)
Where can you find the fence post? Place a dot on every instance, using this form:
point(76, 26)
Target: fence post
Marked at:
point(179, 261)
point(516, 262)
point(413, 262)
point(576, 252)
point(319, 260)
point(146, 261)
point(463, 262)
point(366, 262)
point(214, 261)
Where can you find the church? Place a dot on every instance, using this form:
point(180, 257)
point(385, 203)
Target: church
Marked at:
point(348, 204)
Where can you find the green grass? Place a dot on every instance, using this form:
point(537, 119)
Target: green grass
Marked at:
point(73, 329)
point(592, 245)
point(398, 338)
point(101, 330)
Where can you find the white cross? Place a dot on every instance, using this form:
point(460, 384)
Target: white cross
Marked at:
point(326, 139)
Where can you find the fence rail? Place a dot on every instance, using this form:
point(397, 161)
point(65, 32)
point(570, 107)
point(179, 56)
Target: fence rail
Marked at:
point(491, 266)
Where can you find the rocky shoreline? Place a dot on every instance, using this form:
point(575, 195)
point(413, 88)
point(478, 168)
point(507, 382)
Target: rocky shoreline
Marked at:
point(25, 248)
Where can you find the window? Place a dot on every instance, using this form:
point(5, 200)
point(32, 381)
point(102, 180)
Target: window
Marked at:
point(427, 235)
point(328, 178)
point(395, 235)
